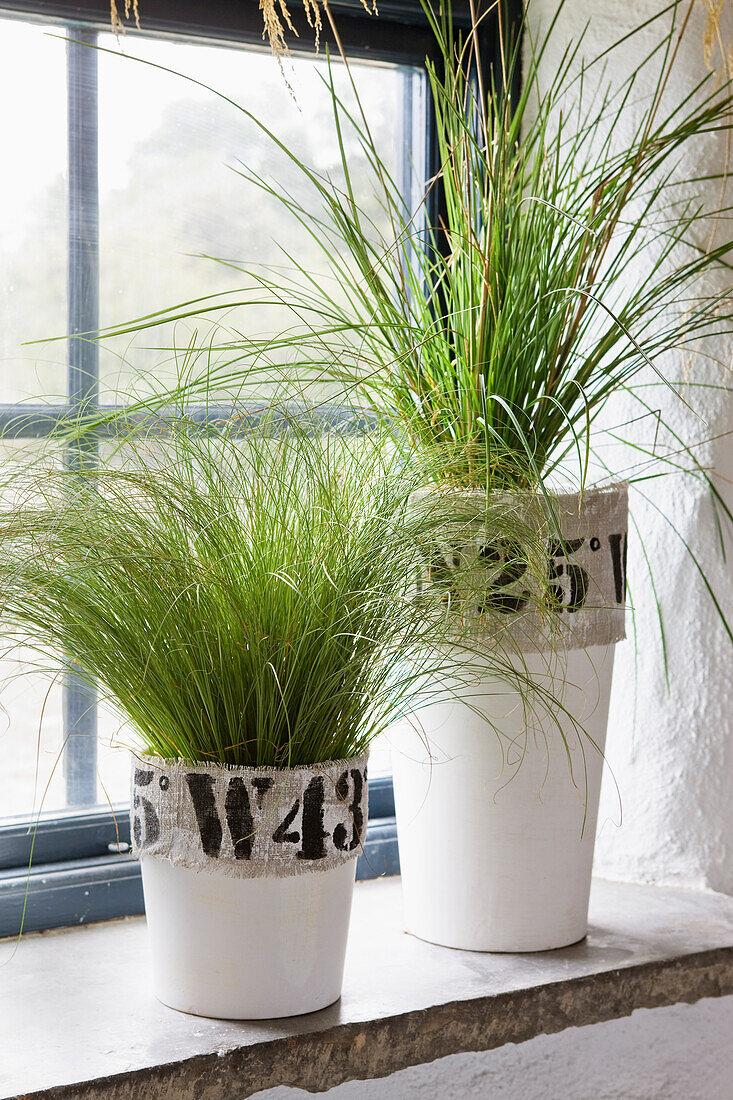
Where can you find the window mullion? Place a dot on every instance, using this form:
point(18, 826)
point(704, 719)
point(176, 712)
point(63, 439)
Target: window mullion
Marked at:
point(80, 703)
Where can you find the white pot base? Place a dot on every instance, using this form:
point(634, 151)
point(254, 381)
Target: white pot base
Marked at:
point(247, 948)
point(494, 852)
point(513, 950)
point(220, 1016)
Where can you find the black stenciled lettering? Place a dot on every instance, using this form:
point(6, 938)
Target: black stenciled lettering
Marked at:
point(619, 546)
point(239, 818)
point(313, 831)
point(502, 552)
point(262, 784)
point(577, 576)
point(578, 586)
point(281, 834)
point(201, 788)
point(146, 831)
point(145, 835)
point(341, 839)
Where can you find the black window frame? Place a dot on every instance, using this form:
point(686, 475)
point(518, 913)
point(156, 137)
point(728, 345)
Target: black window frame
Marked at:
point(73, 867)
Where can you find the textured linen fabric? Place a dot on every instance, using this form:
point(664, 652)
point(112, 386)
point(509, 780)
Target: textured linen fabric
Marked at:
point(249, 822)
point(586, 571)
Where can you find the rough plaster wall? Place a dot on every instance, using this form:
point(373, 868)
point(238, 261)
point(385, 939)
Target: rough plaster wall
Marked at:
point(679, 1053)
point(670, 749)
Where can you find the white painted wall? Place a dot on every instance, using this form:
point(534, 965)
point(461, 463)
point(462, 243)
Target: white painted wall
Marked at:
point(671, 750)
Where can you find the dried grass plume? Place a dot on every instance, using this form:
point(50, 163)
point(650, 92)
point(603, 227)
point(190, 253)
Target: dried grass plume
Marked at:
point(717, 50)
point(275, 16)
point(117, 20)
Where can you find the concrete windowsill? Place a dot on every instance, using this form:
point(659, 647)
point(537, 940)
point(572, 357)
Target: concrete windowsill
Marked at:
point(77, 1018)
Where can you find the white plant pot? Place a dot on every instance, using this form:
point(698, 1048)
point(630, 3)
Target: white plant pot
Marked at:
point(495, 835)
point(248, 875)
point(247, 948)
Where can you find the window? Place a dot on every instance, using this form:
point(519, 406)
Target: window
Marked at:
point(121, 180)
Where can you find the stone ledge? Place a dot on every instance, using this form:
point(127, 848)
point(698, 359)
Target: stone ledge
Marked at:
point(78, 1019)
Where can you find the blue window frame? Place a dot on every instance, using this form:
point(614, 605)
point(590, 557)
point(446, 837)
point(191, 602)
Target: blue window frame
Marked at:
point(72, 867)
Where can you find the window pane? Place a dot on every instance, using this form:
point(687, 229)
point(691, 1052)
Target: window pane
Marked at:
point(170, 193)
point(33, 199)
point(31, 719)
point(168, 196)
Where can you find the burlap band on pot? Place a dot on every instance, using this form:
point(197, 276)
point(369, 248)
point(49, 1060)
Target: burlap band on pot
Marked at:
point(586, 574)
point(249, 822)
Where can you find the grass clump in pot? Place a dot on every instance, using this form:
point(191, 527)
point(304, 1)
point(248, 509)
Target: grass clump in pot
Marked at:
point(243, 599)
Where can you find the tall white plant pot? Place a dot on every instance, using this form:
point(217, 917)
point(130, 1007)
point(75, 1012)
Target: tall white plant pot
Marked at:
point(495, 835)
point(496, 804)
point(248, 876)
